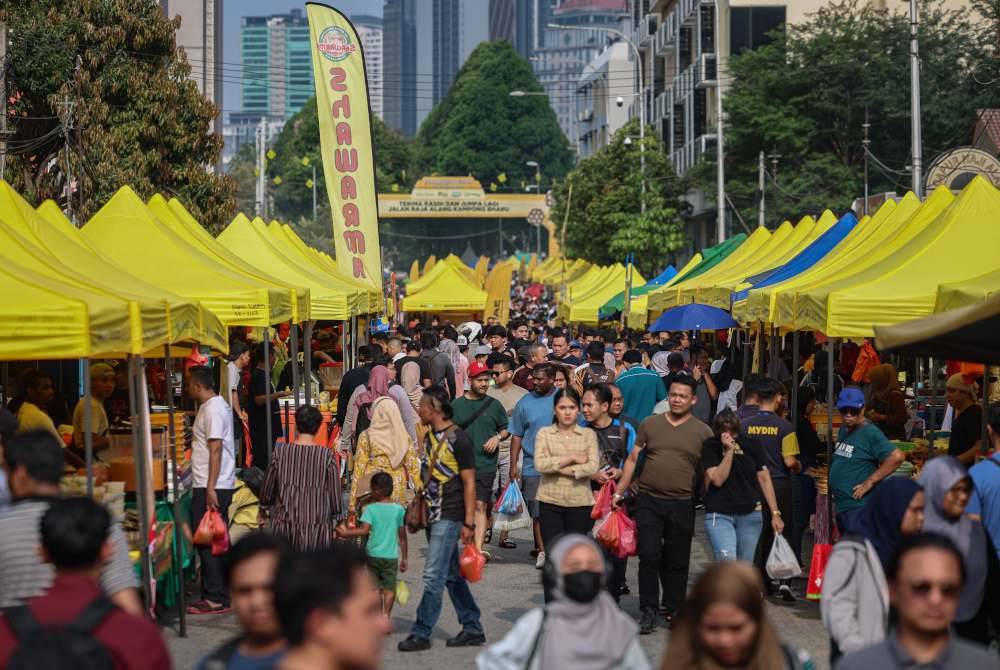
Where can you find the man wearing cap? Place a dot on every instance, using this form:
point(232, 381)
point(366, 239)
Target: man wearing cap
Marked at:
point(862, 458)
point(102, 385)
point(967, 426)
point(484, 420)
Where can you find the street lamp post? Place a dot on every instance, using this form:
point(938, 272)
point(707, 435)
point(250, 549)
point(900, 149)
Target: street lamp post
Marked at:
point(720, 177)
point(642, 105)
point(538, 189)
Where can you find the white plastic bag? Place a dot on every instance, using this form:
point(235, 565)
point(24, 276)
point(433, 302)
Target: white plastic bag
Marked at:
point(509, 522)
point(781, 562)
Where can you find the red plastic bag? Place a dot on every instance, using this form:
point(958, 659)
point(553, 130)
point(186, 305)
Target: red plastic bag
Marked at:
point(608, 533)
point(471, 563)
point(205, 534)
point(817, 568)
point(220, 545)
point(602, 504)
point(628, 541)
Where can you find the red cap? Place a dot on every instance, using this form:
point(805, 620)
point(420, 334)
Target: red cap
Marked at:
point(476, 369)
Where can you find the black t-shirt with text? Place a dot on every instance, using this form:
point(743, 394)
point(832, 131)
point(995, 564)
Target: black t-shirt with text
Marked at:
point(966, 430)
point(741, 491)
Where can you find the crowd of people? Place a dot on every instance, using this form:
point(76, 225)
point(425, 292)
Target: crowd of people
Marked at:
point(437, 419)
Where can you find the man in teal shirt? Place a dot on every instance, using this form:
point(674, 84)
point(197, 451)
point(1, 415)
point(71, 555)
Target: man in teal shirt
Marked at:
point(641, 388)
point(862, 458)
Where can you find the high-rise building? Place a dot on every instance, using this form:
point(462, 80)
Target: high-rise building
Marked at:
point(565, 53)
point(425, 43)
point(277, 66)
point(502, 20)
point(370, 32)
point(200, 36)
point(598, 91)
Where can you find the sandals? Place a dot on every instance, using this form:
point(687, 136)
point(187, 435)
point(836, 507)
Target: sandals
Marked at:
point(489, 536)
point(507, 543)
point(205, 607)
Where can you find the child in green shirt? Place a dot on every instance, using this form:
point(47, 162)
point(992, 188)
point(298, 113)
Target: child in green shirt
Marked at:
point(382, 522)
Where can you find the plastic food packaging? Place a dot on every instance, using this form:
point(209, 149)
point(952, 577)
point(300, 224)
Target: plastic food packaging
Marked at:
point(781, 562)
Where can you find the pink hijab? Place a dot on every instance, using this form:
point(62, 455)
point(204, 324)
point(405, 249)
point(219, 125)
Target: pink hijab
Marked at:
point(377, 387)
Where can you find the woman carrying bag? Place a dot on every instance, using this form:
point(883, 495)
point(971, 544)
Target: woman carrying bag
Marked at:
point(385, 446)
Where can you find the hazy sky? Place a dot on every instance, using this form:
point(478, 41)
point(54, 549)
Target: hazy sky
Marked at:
point(233, 10)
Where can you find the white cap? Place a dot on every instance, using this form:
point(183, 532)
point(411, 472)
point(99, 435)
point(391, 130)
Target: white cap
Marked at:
point(463, 341)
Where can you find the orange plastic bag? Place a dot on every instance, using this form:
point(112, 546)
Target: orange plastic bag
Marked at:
point(602, 504)
point(471, 563)
point(607, 535)
point(205, 534)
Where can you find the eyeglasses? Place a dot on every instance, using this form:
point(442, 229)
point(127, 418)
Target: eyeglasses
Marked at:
point(948, 590)
point(850, 411)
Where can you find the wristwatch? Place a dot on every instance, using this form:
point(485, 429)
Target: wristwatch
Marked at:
point(470, 526)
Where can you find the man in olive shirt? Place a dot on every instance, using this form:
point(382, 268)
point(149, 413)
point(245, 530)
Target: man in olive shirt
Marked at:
point(670, 446)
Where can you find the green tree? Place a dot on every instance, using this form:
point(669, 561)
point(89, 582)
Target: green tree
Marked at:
point(136, 118)
point(479, 129)
point(806, 94)
point(605, 223)
point(297, 152)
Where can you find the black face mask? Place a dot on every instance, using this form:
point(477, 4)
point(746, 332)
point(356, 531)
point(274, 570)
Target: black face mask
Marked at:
point(582, 586)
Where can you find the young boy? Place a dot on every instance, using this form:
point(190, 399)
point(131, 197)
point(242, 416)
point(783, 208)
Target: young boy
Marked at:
point(382, 522)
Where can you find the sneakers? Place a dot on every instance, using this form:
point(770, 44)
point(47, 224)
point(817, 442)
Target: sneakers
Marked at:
point(465, 639)
point(540, 561)
point(414, 643)
point(785, 591)
point(487, 555)
point(647, 621)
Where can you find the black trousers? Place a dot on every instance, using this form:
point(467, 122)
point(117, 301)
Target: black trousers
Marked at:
point(213, 580)
point(785, 495)
point(665, 530)
point(556, 520)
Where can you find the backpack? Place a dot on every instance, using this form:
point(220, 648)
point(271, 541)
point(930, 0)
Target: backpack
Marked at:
point(69, 645)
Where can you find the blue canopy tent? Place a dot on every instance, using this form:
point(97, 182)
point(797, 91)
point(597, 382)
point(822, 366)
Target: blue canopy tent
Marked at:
point(804, 260)
point(614, 306)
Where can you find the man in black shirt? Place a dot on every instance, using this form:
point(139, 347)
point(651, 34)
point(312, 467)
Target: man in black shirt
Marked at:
point(560, 350)
point(967, 426)
point(450, 490)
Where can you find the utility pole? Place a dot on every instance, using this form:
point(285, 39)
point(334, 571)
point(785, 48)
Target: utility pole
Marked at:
point(66, 119)
point(773, 157)
point(4, 133)
point(262, 169)
point(720, 148)
point(915, 131)
point(314, 193)
point(760, 186)
point(866, 143)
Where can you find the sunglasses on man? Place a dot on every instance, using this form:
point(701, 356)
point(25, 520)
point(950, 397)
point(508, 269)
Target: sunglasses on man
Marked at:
point(850, 411)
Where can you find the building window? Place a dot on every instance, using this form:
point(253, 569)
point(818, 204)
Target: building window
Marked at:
point(750, 26)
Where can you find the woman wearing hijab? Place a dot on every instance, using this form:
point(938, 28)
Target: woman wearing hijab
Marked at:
point(362, 402)
point(948, 487)
point(855, 601)
point(580, 627)
point(887, 406)
point(301, 493)
point(723, 625)
point(386, 446)
point(459, 362)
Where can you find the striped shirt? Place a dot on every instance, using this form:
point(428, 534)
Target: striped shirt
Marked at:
point(23, 575)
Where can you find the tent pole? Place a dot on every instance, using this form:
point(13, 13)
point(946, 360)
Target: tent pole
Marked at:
point(795, 378)
point(141, 475)
point(88, 428)
point(267, 389)
point(294, 338)
point(168, 363)
point(307, 355)
point(932, 405)
point(746, 355)
point(986, 404)
point(829, 434)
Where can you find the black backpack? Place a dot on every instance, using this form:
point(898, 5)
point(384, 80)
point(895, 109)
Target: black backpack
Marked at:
point(69, 645)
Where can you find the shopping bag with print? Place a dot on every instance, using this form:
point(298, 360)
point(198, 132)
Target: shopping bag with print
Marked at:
point(471, 563)
point(628, 540)
point(603, 501)
point(781, 562)
point(817, 568)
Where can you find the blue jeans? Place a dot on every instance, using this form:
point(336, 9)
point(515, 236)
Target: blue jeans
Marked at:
point(440, 570)
point(733, 536)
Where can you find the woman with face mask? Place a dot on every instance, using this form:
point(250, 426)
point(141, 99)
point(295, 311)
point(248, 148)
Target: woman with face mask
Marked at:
point(723, 625)
point(581, 627)
point(948, 487)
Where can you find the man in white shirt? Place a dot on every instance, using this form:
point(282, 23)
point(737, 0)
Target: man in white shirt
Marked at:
point(213, 468)
point(102, 385)
point(239, 359)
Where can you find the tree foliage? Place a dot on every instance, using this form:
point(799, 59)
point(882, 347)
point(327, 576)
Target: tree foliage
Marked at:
point(605, 223)
point(805, 97)
point(479, 129)
point(136, 118)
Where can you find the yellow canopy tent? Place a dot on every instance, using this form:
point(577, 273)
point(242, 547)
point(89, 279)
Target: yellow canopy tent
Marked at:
point(429, 264)
point(810, 304)
point(253, 246)
point(288, 241)
point(155, 317)
point(538, 270)
point(482, 267)
point(960, 243)
point(446, 290)
point(806, 232)
point(587, 296)
point(464, 269)
point(967, 292)
point(638, 314)
point(175, 216)
point(761, 304)
point(664, 298)
point(128, 232)
point(414, 270)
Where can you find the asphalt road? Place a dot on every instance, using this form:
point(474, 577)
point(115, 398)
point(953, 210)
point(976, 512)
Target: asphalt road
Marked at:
point(509, 588)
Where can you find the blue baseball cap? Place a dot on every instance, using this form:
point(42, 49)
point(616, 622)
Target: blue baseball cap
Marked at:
point(851, 397)
point(575, 345)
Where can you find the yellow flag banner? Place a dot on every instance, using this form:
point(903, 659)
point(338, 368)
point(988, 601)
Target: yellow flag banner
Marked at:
point(498, 292)
point(346, 141)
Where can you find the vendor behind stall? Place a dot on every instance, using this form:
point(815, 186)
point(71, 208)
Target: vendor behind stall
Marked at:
point(966, 427)
point(102, 385)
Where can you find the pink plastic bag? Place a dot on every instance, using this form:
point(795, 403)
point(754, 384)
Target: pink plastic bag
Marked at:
point(628, 542)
